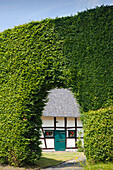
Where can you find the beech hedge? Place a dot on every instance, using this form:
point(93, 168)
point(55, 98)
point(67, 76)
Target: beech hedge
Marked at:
point(71, 52)
point(98, 136)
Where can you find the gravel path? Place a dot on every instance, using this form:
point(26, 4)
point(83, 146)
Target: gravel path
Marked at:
point(70, 164)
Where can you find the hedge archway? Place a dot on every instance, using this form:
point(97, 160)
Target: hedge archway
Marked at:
point(73, 52)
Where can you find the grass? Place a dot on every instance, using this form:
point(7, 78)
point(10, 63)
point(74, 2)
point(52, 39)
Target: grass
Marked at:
point(99, 166)
point(47, 159)
point(54, 158)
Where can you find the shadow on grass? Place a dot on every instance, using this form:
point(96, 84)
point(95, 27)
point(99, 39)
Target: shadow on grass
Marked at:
point(42, 163)
point(46, 162)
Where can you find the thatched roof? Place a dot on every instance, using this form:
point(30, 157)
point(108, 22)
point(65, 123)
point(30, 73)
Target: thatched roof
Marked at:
point(61, 103)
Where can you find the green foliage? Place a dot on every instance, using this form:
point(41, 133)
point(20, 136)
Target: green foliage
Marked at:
point(101, 165)
point(73, 52)
point(98, 135)
point(79, 143)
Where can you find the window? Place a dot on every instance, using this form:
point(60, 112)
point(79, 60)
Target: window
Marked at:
point(71, 133)
point(49, 133)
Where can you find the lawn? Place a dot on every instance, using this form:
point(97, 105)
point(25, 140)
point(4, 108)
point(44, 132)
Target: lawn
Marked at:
point(99, 166)
point(54, 158)
point(47, 159)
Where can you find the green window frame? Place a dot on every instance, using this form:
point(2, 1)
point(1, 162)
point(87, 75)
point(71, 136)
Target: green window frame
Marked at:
point(49, 134)
point(71, 133)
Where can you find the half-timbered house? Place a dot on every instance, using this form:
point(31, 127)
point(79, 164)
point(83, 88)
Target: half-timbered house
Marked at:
point(61, 122)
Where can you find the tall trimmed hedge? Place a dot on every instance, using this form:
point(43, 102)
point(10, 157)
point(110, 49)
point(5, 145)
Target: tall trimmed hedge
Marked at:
point(98, 135)
point(70, 52)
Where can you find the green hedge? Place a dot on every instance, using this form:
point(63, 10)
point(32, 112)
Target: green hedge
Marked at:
point(98, 135)
point(70, 52)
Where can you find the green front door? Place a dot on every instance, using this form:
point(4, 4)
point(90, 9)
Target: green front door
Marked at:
point(60, 140)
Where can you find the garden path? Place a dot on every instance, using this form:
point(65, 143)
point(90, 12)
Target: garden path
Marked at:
point(73, 164)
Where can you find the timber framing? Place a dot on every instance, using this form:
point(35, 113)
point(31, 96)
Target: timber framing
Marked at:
point(65, 128)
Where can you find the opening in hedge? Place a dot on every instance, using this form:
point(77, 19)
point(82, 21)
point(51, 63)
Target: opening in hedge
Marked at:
point(70, 52)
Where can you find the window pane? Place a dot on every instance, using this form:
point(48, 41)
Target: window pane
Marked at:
point(49, 133)
point(71, 133)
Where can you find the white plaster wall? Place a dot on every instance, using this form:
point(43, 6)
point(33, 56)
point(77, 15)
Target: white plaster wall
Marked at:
point(71, 142)
point(48, 150)
point(50, 143)
point(48, 121)
point(67, 133)
point(71, 150)
point(42, 145)
point(47, 129)
point(80, 130)
point(70, 122)
point(41, 133)
point(79, 123)
point(60, 122)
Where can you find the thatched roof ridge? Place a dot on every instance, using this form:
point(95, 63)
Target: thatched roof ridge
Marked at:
point(61, 103)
